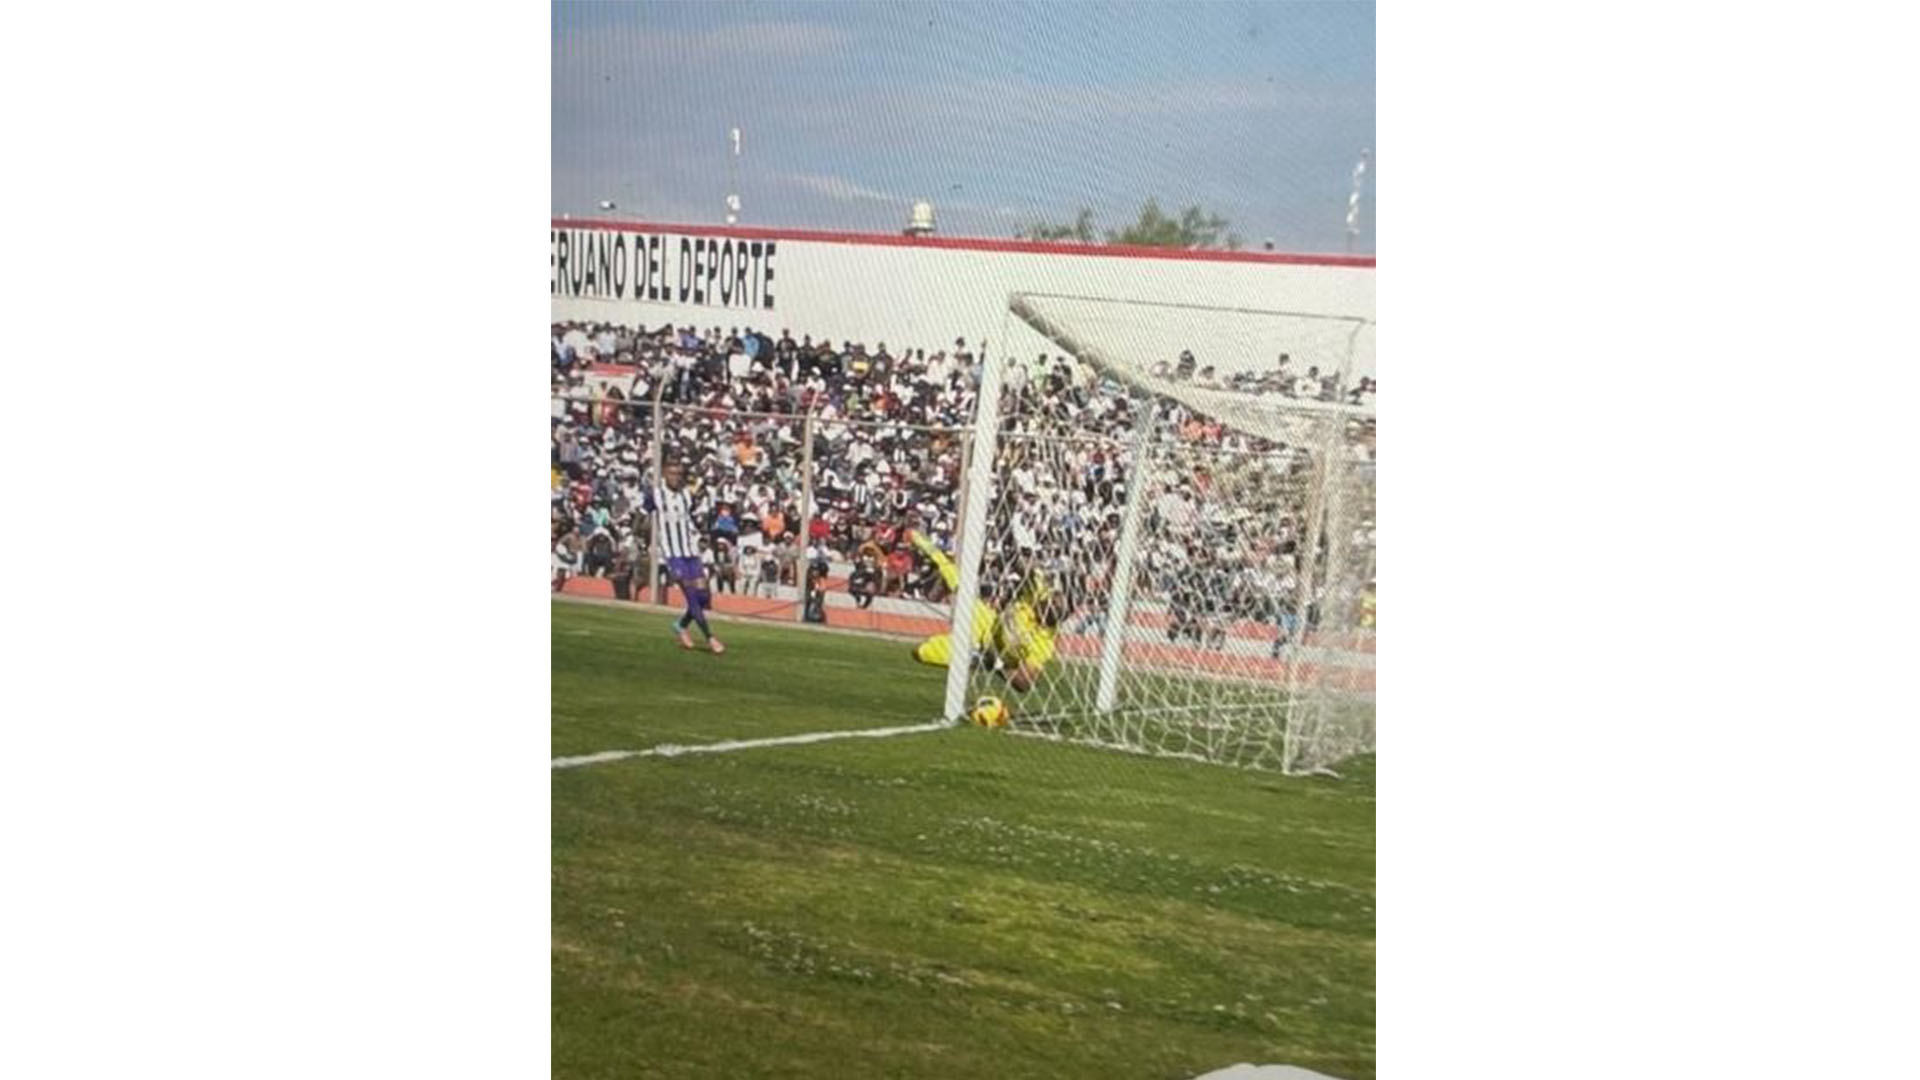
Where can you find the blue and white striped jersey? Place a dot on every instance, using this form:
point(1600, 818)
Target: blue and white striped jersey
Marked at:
point(679, 537)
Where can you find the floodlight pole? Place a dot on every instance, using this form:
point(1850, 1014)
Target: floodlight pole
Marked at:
point(1353, 200)
point(806, 509)
point(733, 178)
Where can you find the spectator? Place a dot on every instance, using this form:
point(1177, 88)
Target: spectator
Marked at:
point(725, 528)
point(790, 559)
point(769, 572)
point(612, 411)
point(899, 563)
point(865, 581)
point(817, 563)
point(814, 602)
point(596, 516)
point(622, 576)
point(566, 558)
point(600, 552)
point(726, 573)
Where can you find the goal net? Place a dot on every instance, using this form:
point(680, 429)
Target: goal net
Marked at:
point(1174, 531)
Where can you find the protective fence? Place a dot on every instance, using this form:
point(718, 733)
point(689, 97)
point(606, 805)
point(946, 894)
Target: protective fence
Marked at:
point(792, 507)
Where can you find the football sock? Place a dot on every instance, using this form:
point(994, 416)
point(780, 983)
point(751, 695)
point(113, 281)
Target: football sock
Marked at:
point(697, 612)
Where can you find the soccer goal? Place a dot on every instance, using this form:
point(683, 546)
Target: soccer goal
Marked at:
point(1198, 514)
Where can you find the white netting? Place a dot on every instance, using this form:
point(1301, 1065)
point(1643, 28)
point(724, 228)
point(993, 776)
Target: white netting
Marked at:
point(1267, 373)
point(1198, 589)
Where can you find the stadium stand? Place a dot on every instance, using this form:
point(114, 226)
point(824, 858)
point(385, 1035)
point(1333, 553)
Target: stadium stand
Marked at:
point(887, 456)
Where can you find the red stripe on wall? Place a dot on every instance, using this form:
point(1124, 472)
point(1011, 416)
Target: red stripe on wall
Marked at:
point(957, 243)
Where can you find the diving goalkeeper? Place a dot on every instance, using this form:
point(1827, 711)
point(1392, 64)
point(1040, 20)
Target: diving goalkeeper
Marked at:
point(1017, 642)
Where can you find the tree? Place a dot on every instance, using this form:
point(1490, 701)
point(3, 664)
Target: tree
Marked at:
point(1081, 229)
point(1194, 228)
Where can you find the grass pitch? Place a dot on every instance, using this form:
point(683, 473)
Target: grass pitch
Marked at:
point(958, 904)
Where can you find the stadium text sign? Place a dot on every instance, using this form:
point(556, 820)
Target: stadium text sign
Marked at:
point(708, 271)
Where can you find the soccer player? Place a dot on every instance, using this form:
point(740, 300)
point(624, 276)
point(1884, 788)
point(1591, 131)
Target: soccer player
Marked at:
point(1015, 643)
point(672, 504)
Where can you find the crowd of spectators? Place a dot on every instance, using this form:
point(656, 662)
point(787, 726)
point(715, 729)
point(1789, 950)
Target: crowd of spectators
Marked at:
point(887, 455)
point(1284, 379)
point(734, 406)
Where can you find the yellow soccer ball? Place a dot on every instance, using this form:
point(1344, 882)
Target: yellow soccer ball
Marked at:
point(990, 712)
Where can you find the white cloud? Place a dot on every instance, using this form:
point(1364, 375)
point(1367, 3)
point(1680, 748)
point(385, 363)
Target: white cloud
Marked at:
point(838, 188)
point(1187, 98)
point(841, 189)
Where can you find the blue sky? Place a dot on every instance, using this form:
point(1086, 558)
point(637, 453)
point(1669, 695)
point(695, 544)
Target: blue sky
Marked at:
point(996, 113)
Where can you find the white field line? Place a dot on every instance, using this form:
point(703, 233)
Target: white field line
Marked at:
point(728, 745)
point(1142, 751)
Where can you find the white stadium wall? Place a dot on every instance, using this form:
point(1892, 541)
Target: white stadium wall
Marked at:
point(913, 292)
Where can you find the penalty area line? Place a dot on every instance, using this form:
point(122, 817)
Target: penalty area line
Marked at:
point(729, 745)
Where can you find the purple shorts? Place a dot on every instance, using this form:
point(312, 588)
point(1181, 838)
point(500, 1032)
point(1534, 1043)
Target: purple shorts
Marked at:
point(685, 569)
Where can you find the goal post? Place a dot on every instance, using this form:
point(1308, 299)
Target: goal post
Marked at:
point(1192, 521)
point(971, 536)
point(1126, 552)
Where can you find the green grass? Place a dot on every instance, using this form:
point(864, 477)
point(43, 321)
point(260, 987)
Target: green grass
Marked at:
point(958, 904)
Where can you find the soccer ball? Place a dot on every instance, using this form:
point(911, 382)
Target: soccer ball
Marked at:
point(990, 712)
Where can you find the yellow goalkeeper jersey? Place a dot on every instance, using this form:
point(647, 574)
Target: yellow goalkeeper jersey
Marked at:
point(1019, 636)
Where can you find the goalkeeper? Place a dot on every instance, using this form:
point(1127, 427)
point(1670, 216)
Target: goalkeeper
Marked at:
point(1017, 642)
